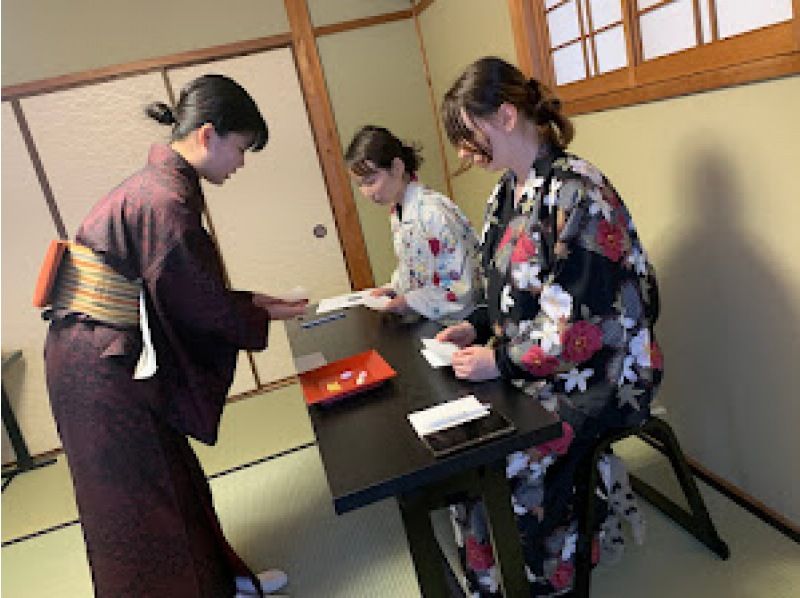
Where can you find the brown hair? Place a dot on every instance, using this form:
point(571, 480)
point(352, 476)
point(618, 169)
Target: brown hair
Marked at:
point(380, 146)
point(489, 82)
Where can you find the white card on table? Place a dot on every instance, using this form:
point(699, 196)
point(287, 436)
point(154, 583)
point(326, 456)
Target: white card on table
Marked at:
point(446, 415)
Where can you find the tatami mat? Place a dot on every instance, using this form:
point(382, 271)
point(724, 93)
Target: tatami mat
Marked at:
point(277, 514)
point(253, 428)
point(671, 563)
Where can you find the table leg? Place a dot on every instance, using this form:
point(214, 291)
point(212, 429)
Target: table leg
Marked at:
point(425, 552)
point(504, 533)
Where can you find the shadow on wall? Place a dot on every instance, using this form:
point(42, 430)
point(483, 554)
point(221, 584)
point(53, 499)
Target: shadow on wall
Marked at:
point(730, 331)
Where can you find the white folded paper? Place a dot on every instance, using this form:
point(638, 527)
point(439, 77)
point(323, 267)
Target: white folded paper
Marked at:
point(437, 353)
point(446, 415)
point(341, 301)
point(376, 303)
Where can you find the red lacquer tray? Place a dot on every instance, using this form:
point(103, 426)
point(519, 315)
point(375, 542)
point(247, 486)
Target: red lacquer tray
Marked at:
point(331, 382)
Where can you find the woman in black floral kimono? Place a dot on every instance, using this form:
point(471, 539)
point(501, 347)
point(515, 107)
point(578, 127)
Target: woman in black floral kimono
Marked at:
point(570, 305)
point(145, 505)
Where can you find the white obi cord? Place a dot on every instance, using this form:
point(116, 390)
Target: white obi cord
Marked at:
point(146, 366)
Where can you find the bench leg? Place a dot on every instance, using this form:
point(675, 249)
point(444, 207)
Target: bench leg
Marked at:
point(698, 521)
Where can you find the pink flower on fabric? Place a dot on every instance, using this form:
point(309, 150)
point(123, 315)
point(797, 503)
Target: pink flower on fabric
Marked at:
point(656, 356)
point(480, 557)
point(610, 237)
point(435, 246)
point(506, 237)
point(451, 296)
point(539, 363)
point(562, 576)
point(523, 250)
point(560, 445)
point(580, 341)
point(436, 279)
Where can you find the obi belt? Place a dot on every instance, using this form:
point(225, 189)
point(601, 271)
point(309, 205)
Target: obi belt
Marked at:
point(75, 279)
point(85, 284)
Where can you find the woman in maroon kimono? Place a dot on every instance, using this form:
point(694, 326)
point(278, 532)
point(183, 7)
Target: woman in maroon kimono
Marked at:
point(145, 504)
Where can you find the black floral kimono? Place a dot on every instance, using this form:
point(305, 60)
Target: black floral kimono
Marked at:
point(570, 303)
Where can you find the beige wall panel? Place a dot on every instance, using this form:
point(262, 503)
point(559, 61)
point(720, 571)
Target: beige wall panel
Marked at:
point(265, 215)
point(243, 378)
point(91, 138)
point(27, 228)
point(711, 180)
point(376, 76)
point(325, 12)
point(456, 33)
point(47, 38)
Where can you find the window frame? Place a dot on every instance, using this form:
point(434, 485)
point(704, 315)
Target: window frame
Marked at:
point(765, 53)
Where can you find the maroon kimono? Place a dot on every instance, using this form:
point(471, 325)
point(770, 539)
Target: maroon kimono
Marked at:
point(145, 504)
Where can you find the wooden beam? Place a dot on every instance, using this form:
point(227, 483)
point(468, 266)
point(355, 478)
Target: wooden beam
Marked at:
point(435, 108)
point(796, 21)
point(107, 73)
point(323, 125)
point(44, 183)
point(365, 22)
point(522, 26)
point(759, 70)
point(420, 6)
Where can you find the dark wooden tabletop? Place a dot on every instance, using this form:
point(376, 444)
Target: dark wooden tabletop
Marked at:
point(368, 447)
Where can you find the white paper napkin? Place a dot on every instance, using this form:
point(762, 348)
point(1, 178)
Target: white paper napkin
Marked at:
point(437, 353)
point(341, 301)
point(446, 415)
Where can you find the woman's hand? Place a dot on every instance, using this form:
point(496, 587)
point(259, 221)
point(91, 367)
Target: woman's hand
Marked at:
point(280, 309)
point(398, 305)
point(462, 334)
point(475, 363)
point(382, 291)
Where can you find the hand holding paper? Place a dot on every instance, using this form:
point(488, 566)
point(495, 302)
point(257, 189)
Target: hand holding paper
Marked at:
point(475, 363)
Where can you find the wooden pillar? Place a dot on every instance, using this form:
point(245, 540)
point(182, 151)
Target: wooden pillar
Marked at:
point(323, 125)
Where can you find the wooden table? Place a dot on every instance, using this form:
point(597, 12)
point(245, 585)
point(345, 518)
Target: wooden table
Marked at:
point(370, 451)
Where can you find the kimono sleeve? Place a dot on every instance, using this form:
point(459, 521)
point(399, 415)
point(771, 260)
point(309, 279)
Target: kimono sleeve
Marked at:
point(579, 326)
point(188, 290)
point(445, 262)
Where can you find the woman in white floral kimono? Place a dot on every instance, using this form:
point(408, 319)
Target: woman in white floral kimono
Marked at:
point(435, 245)
point(570, 304)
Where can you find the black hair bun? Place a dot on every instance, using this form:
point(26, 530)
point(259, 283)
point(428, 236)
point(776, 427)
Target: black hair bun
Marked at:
point(161, 113)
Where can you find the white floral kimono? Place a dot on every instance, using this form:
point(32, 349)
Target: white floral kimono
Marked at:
point(437, 255)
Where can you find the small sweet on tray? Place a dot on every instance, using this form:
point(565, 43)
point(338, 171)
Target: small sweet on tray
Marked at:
point(345, 377)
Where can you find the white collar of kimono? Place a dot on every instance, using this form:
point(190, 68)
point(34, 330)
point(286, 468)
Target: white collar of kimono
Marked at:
point(412, 194)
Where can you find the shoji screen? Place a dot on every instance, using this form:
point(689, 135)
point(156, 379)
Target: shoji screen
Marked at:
point(266, 214)
point(26, 231)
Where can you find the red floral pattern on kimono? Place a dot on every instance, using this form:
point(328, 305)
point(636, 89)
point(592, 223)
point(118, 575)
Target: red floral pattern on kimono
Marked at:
point(570, 305)
point(437, 255)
